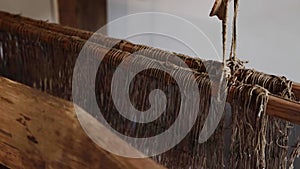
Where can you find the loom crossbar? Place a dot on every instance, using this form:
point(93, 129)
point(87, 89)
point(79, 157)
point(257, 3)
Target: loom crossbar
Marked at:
point(278, 107)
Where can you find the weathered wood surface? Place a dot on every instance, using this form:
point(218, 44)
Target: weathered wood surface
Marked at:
point(40, 131)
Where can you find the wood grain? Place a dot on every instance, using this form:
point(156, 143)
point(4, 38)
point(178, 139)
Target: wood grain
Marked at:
point(284, 109)
point(296, 90)
point(40, 131)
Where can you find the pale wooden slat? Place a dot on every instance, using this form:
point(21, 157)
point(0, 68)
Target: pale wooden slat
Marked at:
point(40, 131)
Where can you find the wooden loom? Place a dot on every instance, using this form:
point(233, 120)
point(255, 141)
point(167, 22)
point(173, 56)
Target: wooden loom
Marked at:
point(277, 106)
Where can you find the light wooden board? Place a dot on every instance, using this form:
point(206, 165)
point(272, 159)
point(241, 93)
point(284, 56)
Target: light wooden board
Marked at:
point(40, 131)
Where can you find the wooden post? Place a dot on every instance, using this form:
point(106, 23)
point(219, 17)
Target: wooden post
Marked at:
point(84, 14)
point(40, 131)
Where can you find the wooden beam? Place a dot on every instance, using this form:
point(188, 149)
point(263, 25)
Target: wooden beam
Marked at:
point(284, 109)
point(278, 107)
point(296, 90)
point(41, 131)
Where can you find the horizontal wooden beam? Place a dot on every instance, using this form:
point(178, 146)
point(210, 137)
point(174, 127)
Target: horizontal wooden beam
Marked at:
point(284, 109)
point(278, 107)
point(41, 131)
point(296, 90)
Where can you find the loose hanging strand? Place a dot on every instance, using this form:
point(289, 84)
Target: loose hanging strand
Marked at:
point(227, 70)
point(224, 29)
point(234, 32)
point(220, 9)
point(233, 62)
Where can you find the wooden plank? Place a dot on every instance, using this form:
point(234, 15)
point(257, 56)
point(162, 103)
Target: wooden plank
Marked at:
point(40, 131)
